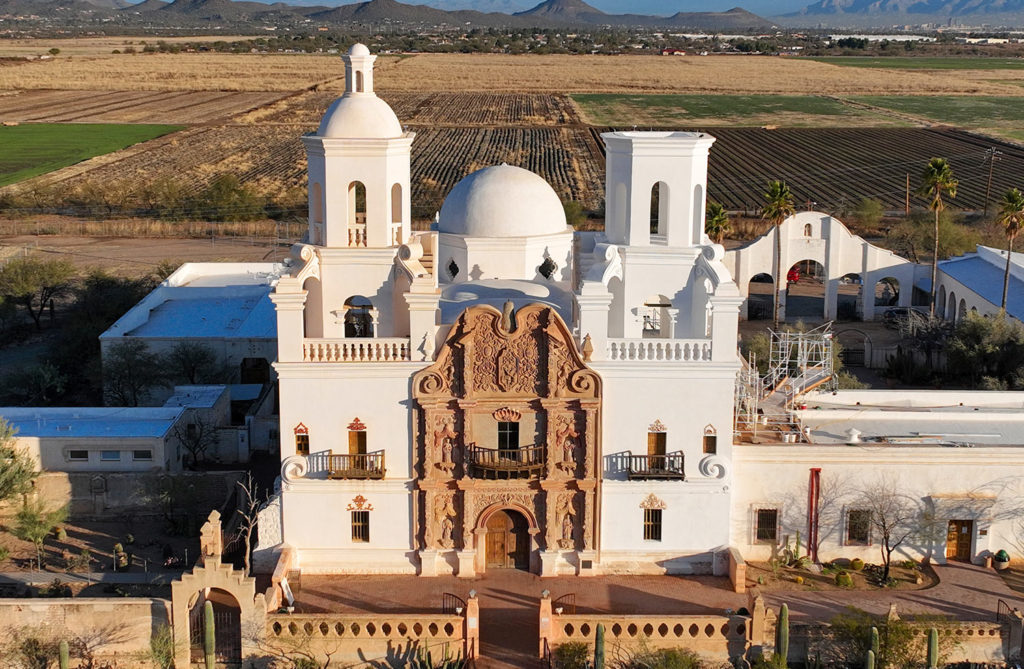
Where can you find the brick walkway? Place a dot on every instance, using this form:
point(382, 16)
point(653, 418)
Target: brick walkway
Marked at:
point(965, 591)
point(509, 601)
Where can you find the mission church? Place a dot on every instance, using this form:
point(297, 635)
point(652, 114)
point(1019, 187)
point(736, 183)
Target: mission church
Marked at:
point(505, 392)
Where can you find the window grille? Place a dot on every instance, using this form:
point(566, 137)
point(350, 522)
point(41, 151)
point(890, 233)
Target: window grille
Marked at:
point(652, 524)
point(302, 444)
point(858, 527)
point(361, 526)
point(766, 526)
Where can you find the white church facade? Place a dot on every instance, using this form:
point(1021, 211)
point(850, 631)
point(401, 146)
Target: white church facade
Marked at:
point(504, 392)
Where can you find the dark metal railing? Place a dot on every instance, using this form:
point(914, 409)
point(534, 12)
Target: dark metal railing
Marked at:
point(668, 466)
point(567, 603)
point(452, 605)
point(355, 466)
point(528, 460)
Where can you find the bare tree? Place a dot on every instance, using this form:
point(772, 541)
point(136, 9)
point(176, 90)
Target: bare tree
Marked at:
point(196, 438)
point(248, 510)
point(130, 371)
point(893, 516)
point(192, 362)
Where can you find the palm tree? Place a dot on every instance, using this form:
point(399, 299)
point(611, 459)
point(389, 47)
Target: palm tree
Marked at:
point(716, 222)
point(937, 179)
point(778, 207)
point(1011, 217)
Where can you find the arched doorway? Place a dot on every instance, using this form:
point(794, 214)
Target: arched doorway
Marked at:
point(848, 297)
point(254, 370)
point(805, 290)
point(507, 540)
point(227, 620)
point(358, 317)
point(887, 292)
point(759, 297)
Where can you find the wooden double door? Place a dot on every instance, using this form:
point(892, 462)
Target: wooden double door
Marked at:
point(958, 540)
point(507, 541)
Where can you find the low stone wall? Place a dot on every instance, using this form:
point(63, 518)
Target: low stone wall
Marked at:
point(384, 638)
point(737, 571)
point(112, 628)
point(976, 641)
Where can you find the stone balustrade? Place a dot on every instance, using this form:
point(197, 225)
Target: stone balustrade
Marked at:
point(666, 350)
point(714, 637)
point(382, 349)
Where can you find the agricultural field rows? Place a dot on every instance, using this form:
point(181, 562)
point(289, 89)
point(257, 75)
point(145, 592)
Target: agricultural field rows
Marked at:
point(437, 109)
point(77, 106)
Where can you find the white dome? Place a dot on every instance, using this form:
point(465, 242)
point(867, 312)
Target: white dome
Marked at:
point(502, 201)
point(358, 50)
point(358, 116)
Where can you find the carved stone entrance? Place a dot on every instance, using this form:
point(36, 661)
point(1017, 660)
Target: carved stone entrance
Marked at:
point(507, 419)
point(507, 541)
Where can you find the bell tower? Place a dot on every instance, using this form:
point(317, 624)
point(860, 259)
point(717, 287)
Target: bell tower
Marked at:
point(359, 185)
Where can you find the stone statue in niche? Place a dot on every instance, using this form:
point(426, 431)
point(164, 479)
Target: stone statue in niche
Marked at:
point(445, 520)
point(444, 443)
point(568, 514)
point(565, 437)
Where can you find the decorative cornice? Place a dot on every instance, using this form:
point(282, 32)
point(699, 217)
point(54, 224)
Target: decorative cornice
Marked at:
point(301, 429)
point(507, 415)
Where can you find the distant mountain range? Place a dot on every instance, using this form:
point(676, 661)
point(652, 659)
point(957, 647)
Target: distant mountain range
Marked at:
point(548, 13)
point(915, 10)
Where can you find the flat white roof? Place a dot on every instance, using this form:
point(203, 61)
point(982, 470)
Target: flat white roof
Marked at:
point(196, 397)
point(91, 422)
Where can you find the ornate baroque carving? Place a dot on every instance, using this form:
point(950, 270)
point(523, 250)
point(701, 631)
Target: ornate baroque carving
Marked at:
point(713, 466)
point(507, 415)
point(356, 425)
point(359, 503)
point(657, 426)
point(652, 501)
point(294, 467)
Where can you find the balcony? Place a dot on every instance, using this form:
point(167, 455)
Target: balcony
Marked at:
point(665, 350)
point(520, 463)
point(368, 349)
point(654, 467)
point(360, 466)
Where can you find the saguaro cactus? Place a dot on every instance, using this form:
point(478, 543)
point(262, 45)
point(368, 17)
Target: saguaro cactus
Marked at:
point(599, 647)
point(869, 662)
point(65, 654)
point(209, 636)
point(933, 648)
point(782, 636)
point(874, 640)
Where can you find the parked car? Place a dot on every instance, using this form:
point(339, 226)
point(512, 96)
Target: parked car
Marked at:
point(892, 317)
point(793, 276)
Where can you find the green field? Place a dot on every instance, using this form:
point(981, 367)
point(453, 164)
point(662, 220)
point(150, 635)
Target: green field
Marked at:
point(969, 112)
point(925, 63)
point(660, 110)
point(34, 149)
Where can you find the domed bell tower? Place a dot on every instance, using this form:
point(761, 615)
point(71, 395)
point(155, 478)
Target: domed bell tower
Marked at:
point(359, 195)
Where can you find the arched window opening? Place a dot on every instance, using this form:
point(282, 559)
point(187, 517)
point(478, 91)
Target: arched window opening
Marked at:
point(951, 307)
point(301, 439)
point(710, 440)
point(396, 203)
point(358, 317)
point(547, 268)
point(940, 302)
point(656, 319)
point(356, 214)
point(312, 313)
point(359, 81)
point(887, 292)
point(962, 311)
point(805, 290)
point(808, 230)
point(318, 215)
point(848, 297)
point(659, 209)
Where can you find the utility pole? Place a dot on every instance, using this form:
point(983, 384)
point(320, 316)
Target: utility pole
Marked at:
point(991, 155)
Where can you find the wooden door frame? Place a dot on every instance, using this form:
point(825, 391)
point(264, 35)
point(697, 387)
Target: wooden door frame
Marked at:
point(480, 536)
point(968, 550)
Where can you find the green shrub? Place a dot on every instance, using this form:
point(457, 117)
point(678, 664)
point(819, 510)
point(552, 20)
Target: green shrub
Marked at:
point(571, 655)
point(844, 580)
point(856, 564)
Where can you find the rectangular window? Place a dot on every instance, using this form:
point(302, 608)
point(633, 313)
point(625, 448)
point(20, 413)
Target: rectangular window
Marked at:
point(652, 524)
point(78, 455)
point(110, 456)
point(142, 455)
point(302, 444)
point(858, 527)
point(361, 526)
point(710, 444)
point(766, 527)
point(508, 439)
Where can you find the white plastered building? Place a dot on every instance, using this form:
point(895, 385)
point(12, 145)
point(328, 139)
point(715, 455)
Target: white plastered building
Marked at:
point(501, 391)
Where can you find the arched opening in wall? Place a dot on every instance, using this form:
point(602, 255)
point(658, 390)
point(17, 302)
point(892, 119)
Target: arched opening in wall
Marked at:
point(657, 323)
point(887, 292)
point(359, 81)
point(808, 230)
point(254, 370)
point(356, 214)
point(759, 297)
point(358, 317)
point(317, 236)
point(961, 313)
point(227, 620)
point(940, 303)
point(396, 203)
point(848, 297)
point(312, 312)
point(659, 209)
point(805, 290)
point(950, 307)
point(853, 345)
point(507, 540)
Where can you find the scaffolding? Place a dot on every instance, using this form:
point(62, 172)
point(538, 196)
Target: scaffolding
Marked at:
point(798, 363)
